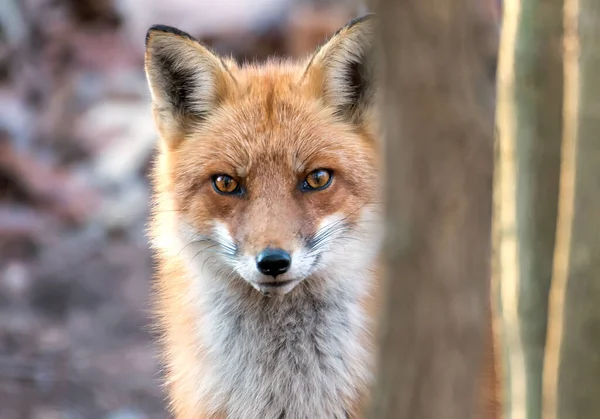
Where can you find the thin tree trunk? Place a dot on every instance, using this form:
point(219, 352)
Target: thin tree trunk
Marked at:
point(572, 368)
point(529, 126)
point(438, 120)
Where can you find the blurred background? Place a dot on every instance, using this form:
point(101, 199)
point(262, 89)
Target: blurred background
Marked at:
point(76, 140)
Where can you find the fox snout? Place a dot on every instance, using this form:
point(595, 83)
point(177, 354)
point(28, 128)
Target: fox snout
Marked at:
point(272, 258)
point(274, 270)
point(275, 257)
point(273, 262)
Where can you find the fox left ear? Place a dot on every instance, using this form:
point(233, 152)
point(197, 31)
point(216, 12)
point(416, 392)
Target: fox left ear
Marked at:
point(343, 69)
point(187, 81)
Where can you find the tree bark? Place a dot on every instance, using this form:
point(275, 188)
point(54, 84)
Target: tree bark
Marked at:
point(529, 127)
point(438, 122)
point(572, 368)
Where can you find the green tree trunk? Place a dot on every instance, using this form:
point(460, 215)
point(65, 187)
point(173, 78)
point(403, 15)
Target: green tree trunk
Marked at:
point(529, 131)
point(438, 121)
point(572, 369)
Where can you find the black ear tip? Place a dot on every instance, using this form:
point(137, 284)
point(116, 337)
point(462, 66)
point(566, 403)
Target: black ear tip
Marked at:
point(167, 29)
point(360, 19)
point(357, 20)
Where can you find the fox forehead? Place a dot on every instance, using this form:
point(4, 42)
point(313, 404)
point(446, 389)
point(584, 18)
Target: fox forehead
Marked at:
point(275, 123)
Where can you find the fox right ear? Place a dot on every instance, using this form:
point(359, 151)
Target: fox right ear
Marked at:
point(343, 69)
point(186, 80)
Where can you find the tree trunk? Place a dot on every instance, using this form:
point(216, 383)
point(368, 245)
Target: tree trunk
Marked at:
point(572, 368)
point(438, 120)
point(529, 127)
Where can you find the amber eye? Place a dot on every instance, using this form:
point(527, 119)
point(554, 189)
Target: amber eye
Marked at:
point(226, 185)
point(317, 180)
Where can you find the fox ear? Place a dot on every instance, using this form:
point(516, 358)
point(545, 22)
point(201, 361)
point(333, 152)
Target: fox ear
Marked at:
point(342, 70)
point(186, 80)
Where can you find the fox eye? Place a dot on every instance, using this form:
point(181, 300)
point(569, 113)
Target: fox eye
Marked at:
point(226, 185)
point(317, 180)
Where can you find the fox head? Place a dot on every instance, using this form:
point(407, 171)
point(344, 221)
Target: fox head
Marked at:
point(267, 174)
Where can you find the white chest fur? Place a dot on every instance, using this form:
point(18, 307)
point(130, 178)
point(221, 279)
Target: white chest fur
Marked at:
point(302, 355)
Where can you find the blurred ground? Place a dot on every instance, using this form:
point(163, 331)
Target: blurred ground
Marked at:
point(76, 140)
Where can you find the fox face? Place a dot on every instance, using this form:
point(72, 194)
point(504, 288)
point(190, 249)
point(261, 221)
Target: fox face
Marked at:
point(272, 171)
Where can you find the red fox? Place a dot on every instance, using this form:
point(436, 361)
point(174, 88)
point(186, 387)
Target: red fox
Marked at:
point(266, 226)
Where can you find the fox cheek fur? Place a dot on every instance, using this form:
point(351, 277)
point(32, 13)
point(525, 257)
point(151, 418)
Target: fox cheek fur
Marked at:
point(266, 179)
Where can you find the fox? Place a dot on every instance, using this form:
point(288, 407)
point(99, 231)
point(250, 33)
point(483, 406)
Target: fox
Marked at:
point(266, 227)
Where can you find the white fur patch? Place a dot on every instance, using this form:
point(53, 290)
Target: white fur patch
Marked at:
point(297, 356)
point(301, 266)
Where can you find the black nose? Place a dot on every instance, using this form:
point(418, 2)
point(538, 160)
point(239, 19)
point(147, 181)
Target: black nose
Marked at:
point(273, 262)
